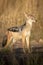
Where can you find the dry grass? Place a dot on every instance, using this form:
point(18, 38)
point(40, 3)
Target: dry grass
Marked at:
point(12, 14)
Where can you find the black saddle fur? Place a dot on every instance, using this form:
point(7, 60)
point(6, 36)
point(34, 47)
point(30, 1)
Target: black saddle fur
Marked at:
point(17, 29)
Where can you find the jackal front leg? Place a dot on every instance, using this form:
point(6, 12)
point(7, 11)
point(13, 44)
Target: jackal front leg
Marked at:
point(27, 43)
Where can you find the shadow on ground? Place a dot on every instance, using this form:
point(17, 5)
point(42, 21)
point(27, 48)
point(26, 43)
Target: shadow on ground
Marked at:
point(18, 57)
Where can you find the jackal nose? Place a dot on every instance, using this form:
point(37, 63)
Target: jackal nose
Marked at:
point(35, 20)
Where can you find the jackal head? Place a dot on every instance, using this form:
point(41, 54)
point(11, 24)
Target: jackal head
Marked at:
point(30, 18)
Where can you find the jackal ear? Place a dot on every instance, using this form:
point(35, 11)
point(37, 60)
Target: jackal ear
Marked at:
point(30, 16)
point(26, 15)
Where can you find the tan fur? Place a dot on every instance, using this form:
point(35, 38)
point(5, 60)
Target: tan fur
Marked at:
point(24, 34)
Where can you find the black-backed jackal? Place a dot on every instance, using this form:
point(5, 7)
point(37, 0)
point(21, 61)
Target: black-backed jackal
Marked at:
point(22, 32)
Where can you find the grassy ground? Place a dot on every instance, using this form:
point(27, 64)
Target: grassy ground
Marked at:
point(8, 57)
